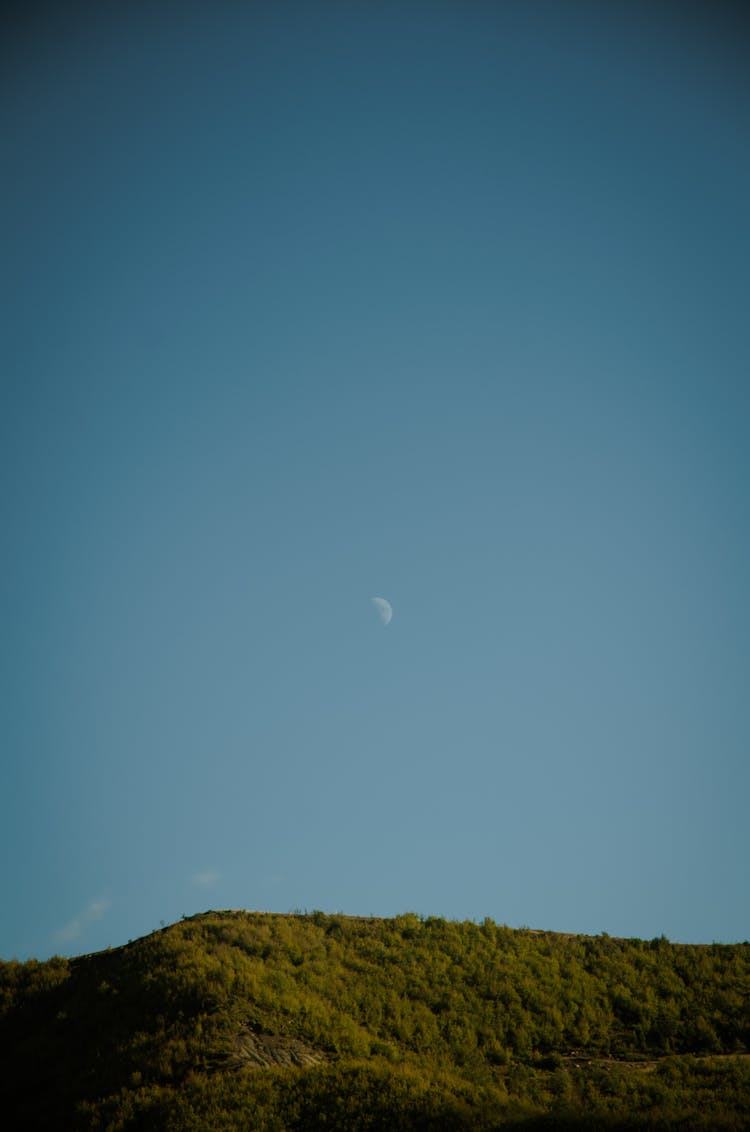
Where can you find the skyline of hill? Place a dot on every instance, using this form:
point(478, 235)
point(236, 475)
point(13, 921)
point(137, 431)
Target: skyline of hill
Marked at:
point(237, 1020)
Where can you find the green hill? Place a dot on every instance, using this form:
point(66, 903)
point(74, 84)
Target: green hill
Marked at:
point(234, 1021)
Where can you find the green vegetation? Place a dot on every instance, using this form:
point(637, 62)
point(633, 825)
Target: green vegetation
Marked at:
point(233, 1021)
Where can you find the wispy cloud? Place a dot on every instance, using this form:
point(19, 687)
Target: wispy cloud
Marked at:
point(75, 928)
point(205, 878)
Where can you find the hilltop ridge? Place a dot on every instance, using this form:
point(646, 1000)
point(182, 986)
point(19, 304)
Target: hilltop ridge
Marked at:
point(229, 1020)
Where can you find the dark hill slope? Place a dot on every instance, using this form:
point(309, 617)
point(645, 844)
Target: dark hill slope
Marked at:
point(242, 1021)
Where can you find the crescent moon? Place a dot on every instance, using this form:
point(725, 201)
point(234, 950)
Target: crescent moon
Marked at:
point(384, 608)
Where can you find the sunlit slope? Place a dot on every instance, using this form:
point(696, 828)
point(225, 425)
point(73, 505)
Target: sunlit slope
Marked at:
point(235, 1020)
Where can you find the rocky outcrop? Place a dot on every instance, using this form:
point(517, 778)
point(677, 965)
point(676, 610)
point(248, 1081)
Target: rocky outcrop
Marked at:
point(255, 1049)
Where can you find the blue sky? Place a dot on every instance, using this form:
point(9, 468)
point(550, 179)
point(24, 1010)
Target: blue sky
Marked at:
point(306, 303)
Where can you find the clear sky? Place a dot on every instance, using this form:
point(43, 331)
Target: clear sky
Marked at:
point(306, 303)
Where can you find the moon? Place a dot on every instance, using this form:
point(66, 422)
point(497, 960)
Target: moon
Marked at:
point(385, 611)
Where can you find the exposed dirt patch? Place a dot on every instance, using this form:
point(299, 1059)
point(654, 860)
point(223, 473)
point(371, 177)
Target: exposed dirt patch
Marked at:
point(255, 1049)
point(645, 1065)
point(579, 1060)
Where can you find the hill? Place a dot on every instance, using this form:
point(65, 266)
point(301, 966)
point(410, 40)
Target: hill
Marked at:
point(232, 1021)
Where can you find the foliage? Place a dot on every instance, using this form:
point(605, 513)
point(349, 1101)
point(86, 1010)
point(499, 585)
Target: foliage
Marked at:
point(414, 1024)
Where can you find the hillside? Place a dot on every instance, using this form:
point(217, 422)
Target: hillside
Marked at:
point(234, 1021)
